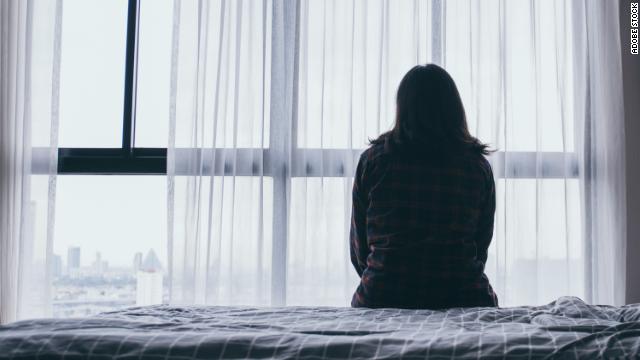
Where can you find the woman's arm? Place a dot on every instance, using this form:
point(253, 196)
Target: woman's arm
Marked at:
point(358, 234)
point(486, 221)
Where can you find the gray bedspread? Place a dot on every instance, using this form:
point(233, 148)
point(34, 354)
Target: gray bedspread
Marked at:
point(566, 328)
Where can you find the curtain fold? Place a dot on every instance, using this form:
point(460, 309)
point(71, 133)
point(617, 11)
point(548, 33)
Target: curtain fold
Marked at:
point(29, 60)
point(273, 101)
point(599, 104)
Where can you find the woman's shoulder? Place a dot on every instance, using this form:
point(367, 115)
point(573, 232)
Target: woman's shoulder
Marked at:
point(375, 152)
point(478, 162)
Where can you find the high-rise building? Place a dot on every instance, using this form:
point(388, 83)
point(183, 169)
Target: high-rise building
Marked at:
point(73, 258)
point(56, 266)
point(137, 262)
point(149, 281)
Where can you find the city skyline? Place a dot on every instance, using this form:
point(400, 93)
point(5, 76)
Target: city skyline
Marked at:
point(86, 290)
point(80, 260)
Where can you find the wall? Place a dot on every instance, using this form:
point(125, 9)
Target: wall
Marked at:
point(631, 83)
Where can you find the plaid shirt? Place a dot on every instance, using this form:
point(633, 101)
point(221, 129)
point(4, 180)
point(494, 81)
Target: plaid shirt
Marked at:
point(421, 225)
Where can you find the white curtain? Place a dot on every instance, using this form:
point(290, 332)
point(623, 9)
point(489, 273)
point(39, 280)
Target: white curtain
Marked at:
point(272, 102)
point(601, 144)
point(29, 59)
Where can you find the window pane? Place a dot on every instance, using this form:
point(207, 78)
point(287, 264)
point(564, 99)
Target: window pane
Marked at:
point(354, 54)
point(109, 245)
point(229, 101)
point(222, 248)
point(537, 253)
point(537, 74)
point(92, 73)
point(319, 225)
point(154, 73)
point(33, 303)
point(349, 69)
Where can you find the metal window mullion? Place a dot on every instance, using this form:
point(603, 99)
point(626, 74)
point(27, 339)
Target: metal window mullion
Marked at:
point(130, 78)
point(303, 162)
point(284, 44)
point(437, 32)
point(310, 162)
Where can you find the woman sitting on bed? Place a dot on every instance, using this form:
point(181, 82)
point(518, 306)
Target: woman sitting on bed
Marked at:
point(423, 204)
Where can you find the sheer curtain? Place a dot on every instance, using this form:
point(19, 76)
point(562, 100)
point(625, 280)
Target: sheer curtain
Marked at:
point(601, 144)
point(272, 102)
point(29, 61)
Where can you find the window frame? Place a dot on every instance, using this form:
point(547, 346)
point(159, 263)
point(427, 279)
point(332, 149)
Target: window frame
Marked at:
point(128, 159)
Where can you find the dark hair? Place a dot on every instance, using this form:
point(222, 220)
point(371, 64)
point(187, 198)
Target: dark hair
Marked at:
point(430, 114)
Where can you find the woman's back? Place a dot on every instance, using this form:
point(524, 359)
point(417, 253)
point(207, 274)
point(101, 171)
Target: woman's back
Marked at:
point(422, 223)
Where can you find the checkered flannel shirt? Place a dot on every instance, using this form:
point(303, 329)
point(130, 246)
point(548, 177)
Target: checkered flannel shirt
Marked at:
point(421, 225)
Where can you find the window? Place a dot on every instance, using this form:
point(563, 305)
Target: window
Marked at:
point(114, 136)
point(92, 69)
point(110, 231)
point(109, 242)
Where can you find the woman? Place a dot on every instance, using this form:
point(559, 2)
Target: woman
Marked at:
point(423, 204)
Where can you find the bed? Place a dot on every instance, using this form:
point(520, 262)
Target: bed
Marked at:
point(565, 328)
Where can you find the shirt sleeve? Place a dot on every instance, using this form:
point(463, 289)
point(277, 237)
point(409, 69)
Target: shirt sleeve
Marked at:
point(486, 221)
point(358, 234)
